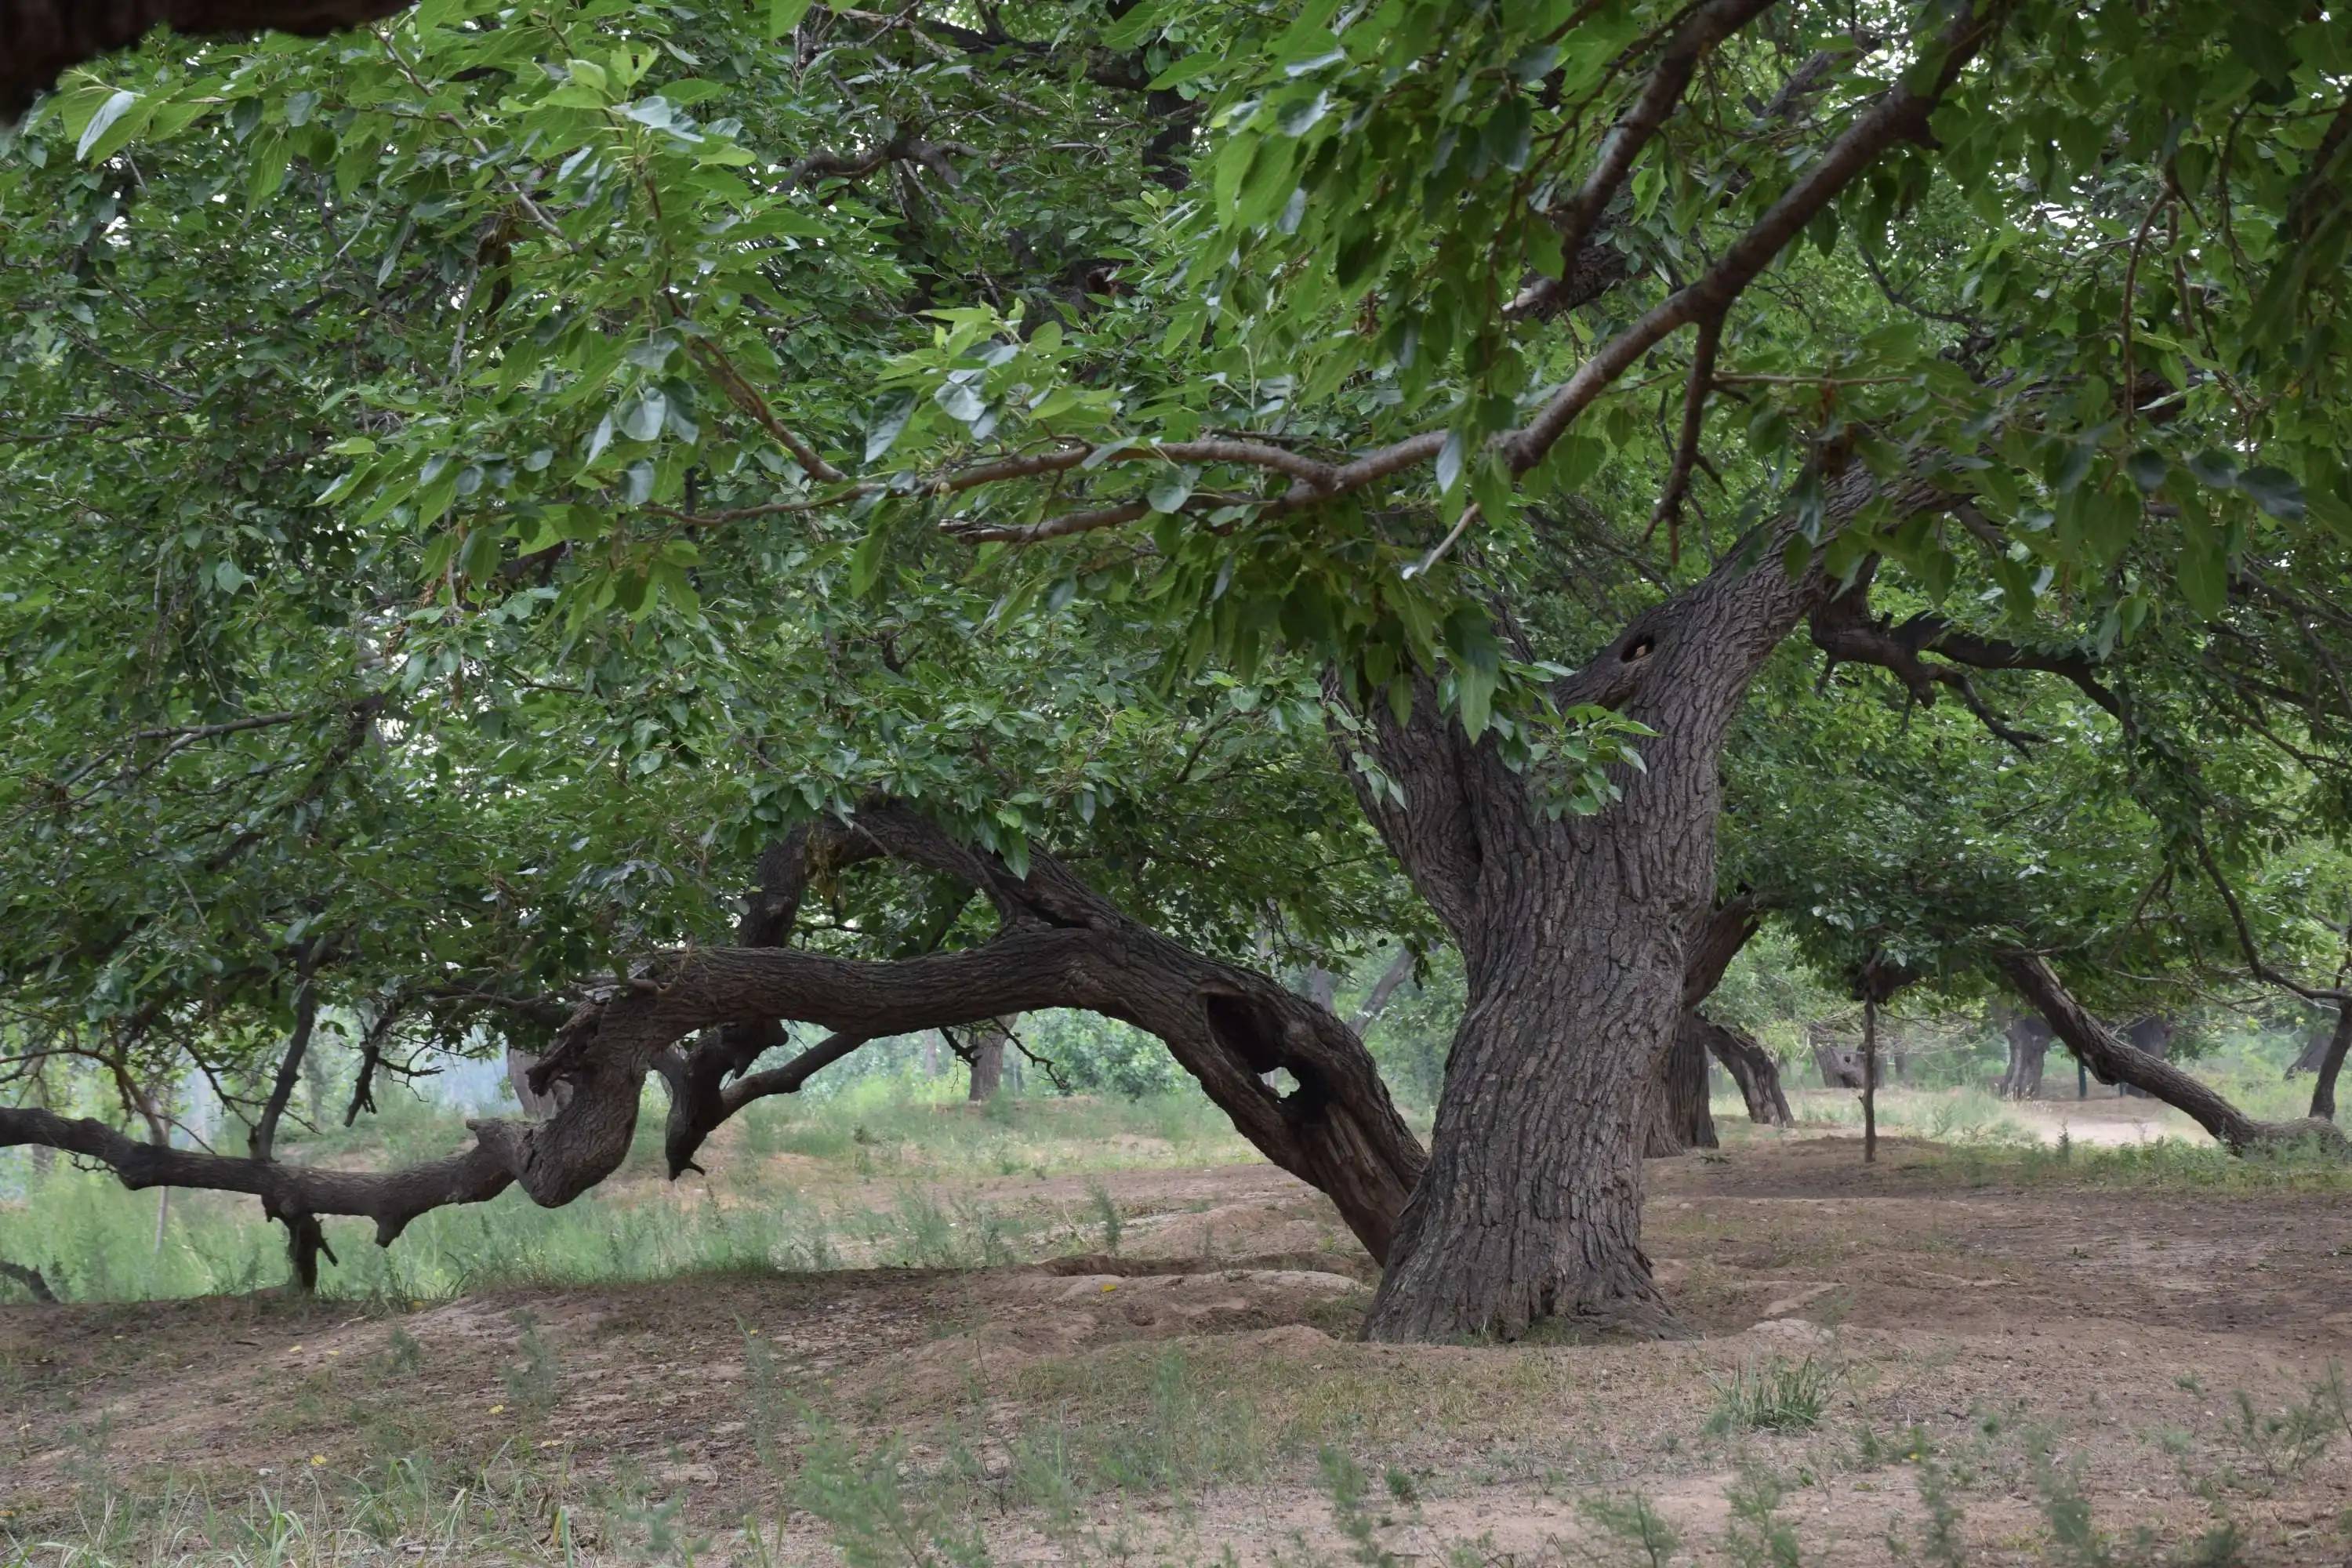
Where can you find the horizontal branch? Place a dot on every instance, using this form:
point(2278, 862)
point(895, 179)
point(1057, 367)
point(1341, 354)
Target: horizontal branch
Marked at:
point(391, 1199)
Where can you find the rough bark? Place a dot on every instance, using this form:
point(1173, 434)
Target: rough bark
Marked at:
point(536, 1103)
point(1575, 936)
point(40, 39)
point(2120, 1062)
point(1751, 1067)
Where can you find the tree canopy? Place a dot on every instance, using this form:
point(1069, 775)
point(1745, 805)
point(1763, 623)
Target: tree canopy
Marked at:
point(484, 490)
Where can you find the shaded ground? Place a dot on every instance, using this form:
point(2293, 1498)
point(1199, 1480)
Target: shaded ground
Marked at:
point(1998, 1342)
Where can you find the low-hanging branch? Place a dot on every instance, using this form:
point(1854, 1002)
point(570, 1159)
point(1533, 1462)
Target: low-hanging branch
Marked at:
point(2115, 1061)
point(1060, 944)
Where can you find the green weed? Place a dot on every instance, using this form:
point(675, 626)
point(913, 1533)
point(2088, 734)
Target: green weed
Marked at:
point(1776, 1396)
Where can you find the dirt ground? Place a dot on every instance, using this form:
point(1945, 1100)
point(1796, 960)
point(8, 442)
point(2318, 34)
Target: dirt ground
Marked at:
point(1999, 1354)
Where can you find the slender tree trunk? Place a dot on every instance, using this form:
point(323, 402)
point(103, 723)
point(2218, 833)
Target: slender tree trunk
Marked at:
point(1870, 1080)
point(2322, 1085)
point(1376, 1001)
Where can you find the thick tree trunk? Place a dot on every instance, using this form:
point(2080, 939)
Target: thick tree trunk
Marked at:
point(2331, 1063)
point(1680, 1120)
point(2153, 1035)
point(1575, 936)
point(1531, 1207)
point(1751, 1067)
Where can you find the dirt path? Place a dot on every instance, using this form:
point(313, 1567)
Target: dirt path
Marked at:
point(1174, 1398)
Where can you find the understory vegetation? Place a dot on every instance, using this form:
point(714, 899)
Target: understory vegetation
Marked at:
point(448, 1415)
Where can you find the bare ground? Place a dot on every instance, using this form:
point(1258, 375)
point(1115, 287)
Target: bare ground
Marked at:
point(2016, 1346)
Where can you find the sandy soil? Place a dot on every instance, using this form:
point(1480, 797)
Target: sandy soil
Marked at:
point(2112, 1329)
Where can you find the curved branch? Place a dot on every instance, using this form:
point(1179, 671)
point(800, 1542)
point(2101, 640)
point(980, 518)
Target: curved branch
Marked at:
point(2116, 1062)
point(1062, 945)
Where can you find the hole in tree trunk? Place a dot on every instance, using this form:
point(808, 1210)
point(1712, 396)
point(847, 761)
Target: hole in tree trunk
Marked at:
point(1244, 1028)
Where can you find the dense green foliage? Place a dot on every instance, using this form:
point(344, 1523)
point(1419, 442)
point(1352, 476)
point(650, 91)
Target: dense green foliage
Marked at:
point(468, 484)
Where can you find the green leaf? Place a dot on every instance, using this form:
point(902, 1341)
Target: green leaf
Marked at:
point(865, 561)
point(101, 122)
point(1449, 463)
point(887, 423)
point(1173, 488)
point(2200, 567)
point(783, 16)
point(642, 416)
point(2275, 490)
point(270, 157)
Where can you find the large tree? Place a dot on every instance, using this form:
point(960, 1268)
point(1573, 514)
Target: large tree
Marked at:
point(1514, 379)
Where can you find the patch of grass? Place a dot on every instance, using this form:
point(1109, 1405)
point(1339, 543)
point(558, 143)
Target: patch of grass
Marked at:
point(2163, 1164)
point(1775, 1395)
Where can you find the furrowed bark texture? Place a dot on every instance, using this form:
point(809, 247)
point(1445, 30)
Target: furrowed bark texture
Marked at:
point(40, 39)
point(2118, 1062)
point(1575, 936)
